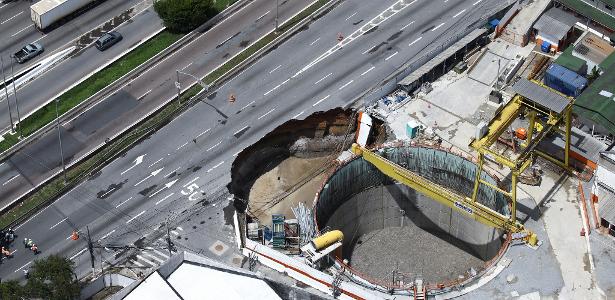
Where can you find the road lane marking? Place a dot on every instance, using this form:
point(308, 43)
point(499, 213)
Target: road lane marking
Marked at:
point(240, 130)
point(42, 37)
point(345, 85)
point(165, 198)
point(297, 115)
point(154, 173)
point(266, 114)
point(123, 202)
point(477, 2)
point(457, 14)
point(156, 162)
point(212, 168)
point(107, 235)
point(107, 192)
point(12, 178)
point(214, 146)
point(169, 173)
point(314, 42)
point(202, 133)
point(145, 94)
point(236, 153)
point(405, 26)
point(368, 70)
point(351, 16)
point(136, 162)
point(18, 32)
point(275, 69)
point(191, 181)
point(418, 39)
point(321, 100)
point(389, 57)
point(132, 219)
point(436, 28)
point(262, 16)
point(11, 18)
point(182, 146)
point(146, 260)
point(78, 253)
point(368, 49)
point(22, 267)
point(321, 79)
point(188, 65)
point(246, 106)
point(52, 227)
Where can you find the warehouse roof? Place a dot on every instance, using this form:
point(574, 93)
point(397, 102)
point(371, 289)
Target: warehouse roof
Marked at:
point(591, 12)
point(597, 102)
point(571, 62)
point(555, 24)
point(545, 97)
point(593, 48)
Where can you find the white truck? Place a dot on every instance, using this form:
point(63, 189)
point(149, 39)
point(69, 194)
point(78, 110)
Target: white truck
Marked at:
point(47, 12)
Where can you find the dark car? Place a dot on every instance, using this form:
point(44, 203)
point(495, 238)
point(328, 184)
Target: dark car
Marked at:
point(107, 40)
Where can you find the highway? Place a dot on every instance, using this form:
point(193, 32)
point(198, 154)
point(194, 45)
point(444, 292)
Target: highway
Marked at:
point(189, 159)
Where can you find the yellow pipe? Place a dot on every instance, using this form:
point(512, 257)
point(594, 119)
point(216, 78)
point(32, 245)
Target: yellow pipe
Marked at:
point(327, 239)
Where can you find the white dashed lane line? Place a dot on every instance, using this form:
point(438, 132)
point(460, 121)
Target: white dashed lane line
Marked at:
point(156, 162)
point(345, 85)
point(182, 146)
point(418, 39)
point(390, 56)
point(299, 114)
point(107, 235)
point(321, 79)
point(52, 227)
point(351, 16)
point(266, 114)
point(314, 42)
point(321, 100)
point(165, 198)
point(405, 26)
point(457, 14)
point(133, 218)
point(212, 168)
point(11, 179)
point(275, 69)
point(246, 106)
point(22, 267)
point(11, 18)
point(367, 71)
point(436, 28)
point(77, 254)
point(123, 202)
point(214, 146)
point(477, 2)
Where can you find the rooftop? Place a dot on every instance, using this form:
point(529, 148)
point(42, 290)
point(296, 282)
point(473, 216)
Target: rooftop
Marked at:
point(571, 62)
point(593, 48)
point(593, 13)
point(555, 24)
point(597, 102)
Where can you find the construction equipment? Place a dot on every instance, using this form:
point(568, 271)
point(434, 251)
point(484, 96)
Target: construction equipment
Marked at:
point(445, 196)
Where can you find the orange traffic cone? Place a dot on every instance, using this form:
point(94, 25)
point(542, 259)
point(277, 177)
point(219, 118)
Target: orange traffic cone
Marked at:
point(74, 236)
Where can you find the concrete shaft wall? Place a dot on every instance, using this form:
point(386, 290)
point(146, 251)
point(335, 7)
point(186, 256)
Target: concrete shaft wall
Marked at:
point(352, 201)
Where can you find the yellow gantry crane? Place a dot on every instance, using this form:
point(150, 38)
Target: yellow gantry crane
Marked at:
point(545, 108)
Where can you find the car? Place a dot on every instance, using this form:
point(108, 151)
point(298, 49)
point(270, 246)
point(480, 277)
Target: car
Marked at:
point(107, 40)
point(28, 52)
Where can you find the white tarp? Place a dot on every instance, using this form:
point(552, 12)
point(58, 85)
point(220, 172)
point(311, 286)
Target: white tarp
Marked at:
point(365, 125)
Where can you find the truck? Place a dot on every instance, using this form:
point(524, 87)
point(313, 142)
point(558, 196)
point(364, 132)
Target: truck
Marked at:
point(46, 12)
point(28, 52)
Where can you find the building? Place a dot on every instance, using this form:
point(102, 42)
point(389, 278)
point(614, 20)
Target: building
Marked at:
point(593, 50)
point(518, 22)
point(596, 14)
point(603, 190)
point(554, 27)
point(190, 276)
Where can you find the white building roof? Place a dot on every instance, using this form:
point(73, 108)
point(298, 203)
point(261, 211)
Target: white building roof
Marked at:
point(153, 287)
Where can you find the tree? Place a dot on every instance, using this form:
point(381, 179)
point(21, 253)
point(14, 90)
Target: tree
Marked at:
point(184, 15)
point(11, 290)
point(53, 278)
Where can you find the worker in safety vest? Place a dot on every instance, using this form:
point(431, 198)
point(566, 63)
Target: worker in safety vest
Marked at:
point(25, 242)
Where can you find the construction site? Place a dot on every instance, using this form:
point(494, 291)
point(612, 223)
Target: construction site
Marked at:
point(475, 177)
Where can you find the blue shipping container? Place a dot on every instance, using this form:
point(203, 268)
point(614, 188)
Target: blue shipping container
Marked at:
point(564, 80)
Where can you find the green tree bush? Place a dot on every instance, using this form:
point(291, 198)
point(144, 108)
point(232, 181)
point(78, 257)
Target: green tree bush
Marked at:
point(181, 16)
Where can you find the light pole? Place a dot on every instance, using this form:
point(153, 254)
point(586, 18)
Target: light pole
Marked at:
point(178, 85)
point(6, 93)
point(16, 102)
point(277, 13)
point(60, 141)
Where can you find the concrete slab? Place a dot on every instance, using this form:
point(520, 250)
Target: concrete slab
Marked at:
point(488, 68)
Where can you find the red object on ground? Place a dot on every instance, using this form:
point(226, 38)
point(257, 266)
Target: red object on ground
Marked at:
point(74, 236)
point(340, 37)
point(521, 133)
point(582, 231)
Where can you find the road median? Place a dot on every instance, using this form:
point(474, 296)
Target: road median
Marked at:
point(94, 160)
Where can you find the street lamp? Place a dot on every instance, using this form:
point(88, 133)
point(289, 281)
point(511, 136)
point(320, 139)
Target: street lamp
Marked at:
point(16, 102)
point(178, 85)
point(277, 13)
point(6, 93)
point(60, 140)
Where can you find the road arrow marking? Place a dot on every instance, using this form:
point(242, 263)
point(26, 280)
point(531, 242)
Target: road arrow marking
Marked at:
point(137, 161)
point(166, 186)
point(148, 177)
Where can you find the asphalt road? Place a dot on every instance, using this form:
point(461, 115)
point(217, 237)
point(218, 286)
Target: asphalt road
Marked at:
point(166, 174)
point(17, 28)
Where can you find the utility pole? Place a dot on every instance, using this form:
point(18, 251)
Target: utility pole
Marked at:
point(60, 141)
point(277, 13)
point(178, 86)
point(8, 103)
point(16, 102)
point(91, 250)
point(169, 243)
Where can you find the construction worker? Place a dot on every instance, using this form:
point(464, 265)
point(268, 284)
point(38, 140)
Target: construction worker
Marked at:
point(30, 243)
point(34, 249)
point(25, 242)
point(6, 253)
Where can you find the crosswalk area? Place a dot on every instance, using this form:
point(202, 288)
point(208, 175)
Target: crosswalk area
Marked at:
point(153, 257)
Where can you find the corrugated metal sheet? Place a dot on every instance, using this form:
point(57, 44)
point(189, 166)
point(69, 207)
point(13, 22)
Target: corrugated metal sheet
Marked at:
point(555, 23)
point(606, 205)
point(540, 95)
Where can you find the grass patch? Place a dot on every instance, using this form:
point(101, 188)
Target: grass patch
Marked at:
point(80, 171)
point(92, 85)
point(220, 5)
